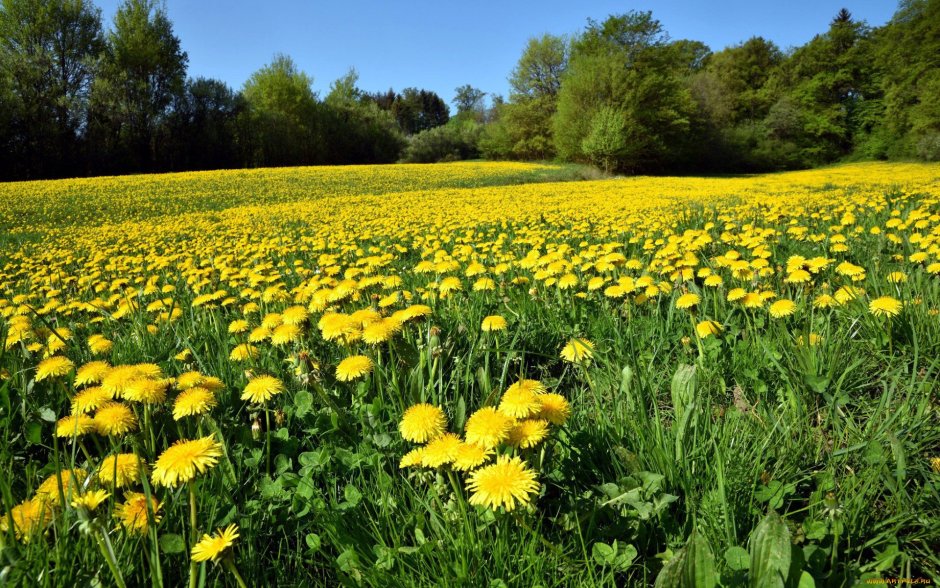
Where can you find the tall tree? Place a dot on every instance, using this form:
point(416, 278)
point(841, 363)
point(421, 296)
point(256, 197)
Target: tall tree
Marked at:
point(202, 129)
point(470, 103)
point(625, 63)
point(907, 55)
point(48, 50)
point(525, 126)
point(283, 115)
point(419, 110)
point(143, 70)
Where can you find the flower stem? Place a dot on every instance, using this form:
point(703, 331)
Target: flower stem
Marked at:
point(229, 564)
point(193, 565)
point(105, 546)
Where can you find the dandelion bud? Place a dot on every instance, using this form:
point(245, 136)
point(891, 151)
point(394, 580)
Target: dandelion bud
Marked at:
point(256, 429)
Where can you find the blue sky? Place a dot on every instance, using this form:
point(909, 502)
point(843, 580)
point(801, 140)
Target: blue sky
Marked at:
point(441, 45)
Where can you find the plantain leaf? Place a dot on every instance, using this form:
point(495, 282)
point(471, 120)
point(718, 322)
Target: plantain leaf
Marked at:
point(770, 553)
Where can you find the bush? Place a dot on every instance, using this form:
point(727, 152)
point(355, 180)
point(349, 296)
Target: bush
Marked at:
point(451, 142)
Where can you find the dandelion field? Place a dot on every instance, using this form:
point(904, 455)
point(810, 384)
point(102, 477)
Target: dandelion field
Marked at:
point(471, 374)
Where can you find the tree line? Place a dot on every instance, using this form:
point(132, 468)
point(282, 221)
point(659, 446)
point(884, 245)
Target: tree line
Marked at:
point(77, 99)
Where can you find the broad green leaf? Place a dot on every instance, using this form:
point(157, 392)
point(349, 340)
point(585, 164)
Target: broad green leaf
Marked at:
point(172, 543)
point(313, 541)
point(770, 553)
point(692, 567)
point(737, 558)
point(303, 401)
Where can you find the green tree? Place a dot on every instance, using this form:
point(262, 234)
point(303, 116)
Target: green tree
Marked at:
point(524, 126)
point(470, 103)
point(202, 129)
point(906, 55)
point(827, 81)
point(48, 50)
point(419, 110)
point(282, 115)
point(144, 69)
point(355, 129)
point(606, 142)
point(626, 63)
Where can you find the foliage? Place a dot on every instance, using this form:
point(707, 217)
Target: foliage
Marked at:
point(625, 63)
point(606, 142)
point(282, 110)
point(141, 71)
point(454, 141)
point(48, 52)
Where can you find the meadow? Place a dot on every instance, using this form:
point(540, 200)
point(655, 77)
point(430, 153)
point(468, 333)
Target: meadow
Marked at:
point(471, 374)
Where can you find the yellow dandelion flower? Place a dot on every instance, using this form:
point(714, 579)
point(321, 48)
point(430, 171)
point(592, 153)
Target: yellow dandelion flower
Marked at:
point(484, 285)
point(121, 470)
point(53, 367)
point(189, 379)
point(27, 518)
point(469, 456)
point(814, 340)
point(488, 427)
point(422, 422)
point(846, 294)
point(782, 308)
point(295, 315)
point(238, 326)
point(117, 379)
point(212, 546)
point(99, 344)
point(713, 281)
point(521, 399)
point(75, 426)
point(897, 277)
point(528, 433)
point(578, 351)
point(567, 281)
point(885, 306)
point(335, 325)
point(824, 301)
point(272, 320)
point(687, 301)
point(555, 408)
point(448, 285)
point(115, 418)
point(193, 401)
point(493, 323)
point(286, 333)
point(134, 513)
point(441, 450)
point(706, 329)
point(145, 390)
point(259, 334)
point(90, 500)
point(91, 373)
point(413, 458)
point(243, 352)
point(381, 331)
point(507, 483)
point(415, 311)
point(353, 367)
point(89, 400)
point(736, 294)
point(262, 388)
point(71, 480)
point(183, 460)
